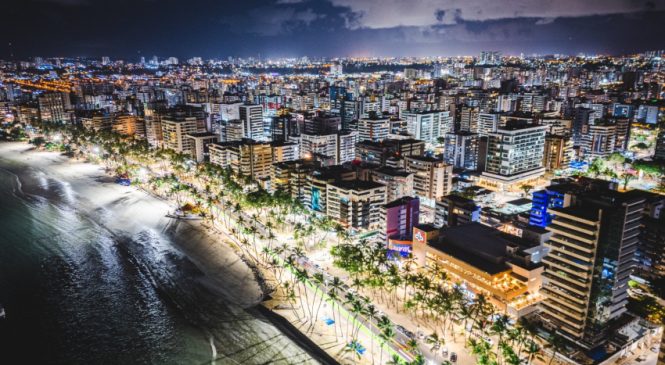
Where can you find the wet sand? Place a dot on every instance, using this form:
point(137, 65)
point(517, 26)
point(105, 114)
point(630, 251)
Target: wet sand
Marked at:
point(129, 210)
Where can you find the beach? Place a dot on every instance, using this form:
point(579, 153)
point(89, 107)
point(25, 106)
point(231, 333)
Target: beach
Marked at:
point(203, 295)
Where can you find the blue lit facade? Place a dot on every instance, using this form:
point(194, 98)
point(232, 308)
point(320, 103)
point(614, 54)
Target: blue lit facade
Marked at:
point(542, 201)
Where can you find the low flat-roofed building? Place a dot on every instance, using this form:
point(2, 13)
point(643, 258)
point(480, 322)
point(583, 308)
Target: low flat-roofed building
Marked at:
point(505, 268)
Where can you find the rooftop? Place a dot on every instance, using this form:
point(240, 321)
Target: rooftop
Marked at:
point(357, 184)
point(477, 245)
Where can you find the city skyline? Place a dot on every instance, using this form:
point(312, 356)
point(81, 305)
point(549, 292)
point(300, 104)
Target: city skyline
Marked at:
point(330, 28)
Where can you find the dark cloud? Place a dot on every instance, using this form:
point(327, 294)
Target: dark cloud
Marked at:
point(219, 28)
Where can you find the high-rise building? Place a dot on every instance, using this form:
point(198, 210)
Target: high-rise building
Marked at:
point(356, 204)
point(647, 114)
point(252, 119)
point(582, 116)
point(174, 132)
point(379, 152)
point(461, 150)
point(514, 155)
point(599, 140)
point(432, 178)
point(318, 145)
point(469, 119)
point(651, 251)
point(398, 218)
point(233, 130)
point(284, 151)
point(398, 182)
point(322, 124)
point(247, 157)
point(52, 107)
point(292, 178)
point(428, 126)
point(454, 210)
point(558, 152)
point(592, 254)
point(488, 123)
point(490, 58)
point(346, 146)
point(660, 143)
point(282, 127)
point(373, 129)
point(200, 142)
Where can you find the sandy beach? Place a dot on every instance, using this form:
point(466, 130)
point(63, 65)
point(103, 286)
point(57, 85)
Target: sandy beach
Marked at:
point(128, 211)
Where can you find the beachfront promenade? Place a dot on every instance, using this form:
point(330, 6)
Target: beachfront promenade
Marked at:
point(353, 335)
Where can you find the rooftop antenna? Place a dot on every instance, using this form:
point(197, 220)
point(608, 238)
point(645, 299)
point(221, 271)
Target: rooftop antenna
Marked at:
point(11, 51)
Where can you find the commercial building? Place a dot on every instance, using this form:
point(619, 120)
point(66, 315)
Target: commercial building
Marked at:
point(505, 268)
point(398, 219)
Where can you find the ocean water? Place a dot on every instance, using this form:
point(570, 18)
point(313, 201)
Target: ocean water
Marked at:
point(77, 292)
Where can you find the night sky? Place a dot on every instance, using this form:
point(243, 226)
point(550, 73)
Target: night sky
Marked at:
point(272, 28)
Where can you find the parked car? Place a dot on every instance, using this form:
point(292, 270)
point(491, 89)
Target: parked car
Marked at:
point(453, 357)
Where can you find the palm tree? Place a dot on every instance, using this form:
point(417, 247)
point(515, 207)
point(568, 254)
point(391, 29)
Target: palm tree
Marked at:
point(556, 344)
point(349, 299)
point(499, 327)
point(332, 294)
point(319, 281)
point(412, 345)
point(371, 313)
point(433, 340)
point(531, 350)
point(395, 360)
point(419, 360)
point(387, 333)
point(335, 286)
point(358, 308)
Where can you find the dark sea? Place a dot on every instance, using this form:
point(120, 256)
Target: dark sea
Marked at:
point(77, 292)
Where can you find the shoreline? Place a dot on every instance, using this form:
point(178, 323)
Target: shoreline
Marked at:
point(204, 244)
point(288, 329)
